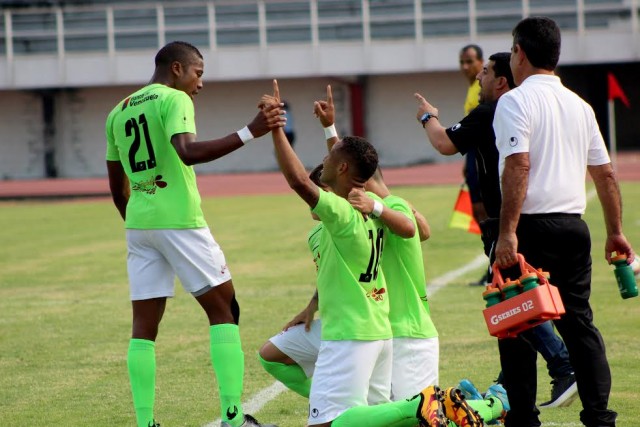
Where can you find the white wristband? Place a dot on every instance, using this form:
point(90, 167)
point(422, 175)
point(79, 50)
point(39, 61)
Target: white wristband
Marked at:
point(377, 209)
point(245, 134)
point(330, 132)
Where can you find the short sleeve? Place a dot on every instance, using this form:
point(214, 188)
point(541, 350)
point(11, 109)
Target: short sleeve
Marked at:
point(467, 134)
point(399, 205)
point(335, 212)
point(598, 154)
point(112, 150)
point(511, 126)
point(179, 115)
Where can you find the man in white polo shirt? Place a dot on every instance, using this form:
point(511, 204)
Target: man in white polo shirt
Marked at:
point(548, 138)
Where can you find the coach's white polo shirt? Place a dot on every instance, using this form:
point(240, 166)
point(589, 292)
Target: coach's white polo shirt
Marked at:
point(559, 131)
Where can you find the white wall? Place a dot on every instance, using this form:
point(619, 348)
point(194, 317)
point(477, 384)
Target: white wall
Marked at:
point(391, 114)
point(21, 143)
point(223, 107)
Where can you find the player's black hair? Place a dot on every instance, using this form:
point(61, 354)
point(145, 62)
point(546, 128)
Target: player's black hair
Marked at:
point(182, 52)
point(501, 67)
point(539, 38)
point(314, 175)
point(361, 155)
point(477, 49)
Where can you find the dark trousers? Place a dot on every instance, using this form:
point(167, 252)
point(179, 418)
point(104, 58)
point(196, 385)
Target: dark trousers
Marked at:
point(542, 337)
point(561, 245)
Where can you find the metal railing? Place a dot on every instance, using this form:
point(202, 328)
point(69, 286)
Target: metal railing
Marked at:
point(219, 24)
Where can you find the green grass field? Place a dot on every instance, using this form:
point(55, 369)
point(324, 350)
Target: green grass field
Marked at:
point(65, 313)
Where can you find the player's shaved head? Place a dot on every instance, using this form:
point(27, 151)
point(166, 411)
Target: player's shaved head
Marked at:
point(182, 52)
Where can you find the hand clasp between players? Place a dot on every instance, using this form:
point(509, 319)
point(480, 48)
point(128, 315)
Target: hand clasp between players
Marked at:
point(271, 115)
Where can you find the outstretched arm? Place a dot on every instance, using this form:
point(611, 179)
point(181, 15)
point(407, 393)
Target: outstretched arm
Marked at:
point(192, 152)
point(609, 194)
point(290, 165)
point(436, 133)
point(325, 111)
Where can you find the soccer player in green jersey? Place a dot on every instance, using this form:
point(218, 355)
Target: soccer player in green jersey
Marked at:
point(353, 361)
point(151, 147)
point(415, 339)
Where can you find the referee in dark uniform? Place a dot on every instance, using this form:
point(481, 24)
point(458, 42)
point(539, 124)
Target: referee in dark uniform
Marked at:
point(475, 132)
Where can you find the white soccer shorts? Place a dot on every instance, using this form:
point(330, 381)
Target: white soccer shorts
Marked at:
point(348, 374)
point(155, 257)
point(415, 366)
point(300, 345)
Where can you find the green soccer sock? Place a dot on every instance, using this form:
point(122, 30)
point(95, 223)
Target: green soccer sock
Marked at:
point(382, 415)
point(228, 364)
point(408, 422)
point(489, 409)
point(141, 362)
point(290, 375)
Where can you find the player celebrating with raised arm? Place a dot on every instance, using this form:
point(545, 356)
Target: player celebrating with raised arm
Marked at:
point(415, 339)
point(354, 356)
point(151, 145)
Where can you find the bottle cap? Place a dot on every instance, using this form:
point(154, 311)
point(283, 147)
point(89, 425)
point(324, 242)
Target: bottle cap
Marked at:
point(619, 258)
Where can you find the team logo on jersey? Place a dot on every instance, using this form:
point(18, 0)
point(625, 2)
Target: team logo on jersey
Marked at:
point(232, 415)
point(314, 412)
point(377, 294)
point(513, 141)
point(456, 127)
point(149, 186)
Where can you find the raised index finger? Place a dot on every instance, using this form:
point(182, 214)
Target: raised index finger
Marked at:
point(276, 90)
point(329, 95)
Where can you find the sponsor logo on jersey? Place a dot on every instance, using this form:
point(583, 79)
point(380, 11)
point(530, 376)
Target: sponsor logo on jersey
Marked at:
point(232, 415)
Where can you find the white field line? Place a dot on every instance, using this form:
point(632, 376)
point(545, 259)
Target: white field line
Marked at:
point(266, 395)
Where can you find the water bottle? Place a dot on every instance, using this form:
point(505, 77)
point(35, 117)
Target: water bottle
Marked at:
point(625, 277)
point(492, 296)
point(529, 281)
point(511, 289)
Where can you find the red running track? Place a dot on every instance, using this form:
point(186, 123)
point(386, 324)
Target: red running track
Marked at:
point(628, 169)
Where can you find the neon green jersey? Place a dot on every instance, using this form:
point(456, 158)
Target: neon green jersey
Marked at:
point(353, 303)
point(313, 240)
point(164, 193)
point(403, 268)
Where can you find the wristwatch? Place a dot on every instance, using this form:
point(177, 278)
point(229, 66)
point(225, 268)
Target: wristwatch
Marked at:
point(425, 118)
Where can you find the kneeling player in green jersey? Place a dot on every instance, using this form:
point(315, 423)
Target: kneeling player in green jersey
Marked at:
point(415, 339)
point(151, 147)
point(354, 350)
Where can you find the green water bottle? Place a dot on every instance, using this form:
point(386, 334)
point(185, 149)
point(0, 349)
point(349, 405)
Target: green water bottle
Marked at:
point(625, 277)
point(511, 289)
point(529, 281)
point(492, 296)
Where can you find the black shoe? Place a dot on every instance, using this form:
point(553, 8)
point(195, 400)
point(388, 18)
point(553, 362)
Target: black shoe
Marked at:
point(482, 282)
point(249, 421)
point(563, 392)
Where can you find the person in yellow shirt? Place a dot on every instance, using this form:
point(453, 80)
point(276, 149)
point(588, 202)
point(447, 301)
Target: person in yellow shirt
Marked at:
point(471, 63)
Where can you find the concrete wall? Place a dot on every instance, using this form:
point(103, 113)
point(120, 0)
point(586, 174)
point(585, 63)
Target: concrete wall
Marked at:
point(22, 142)
point(221, 108)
